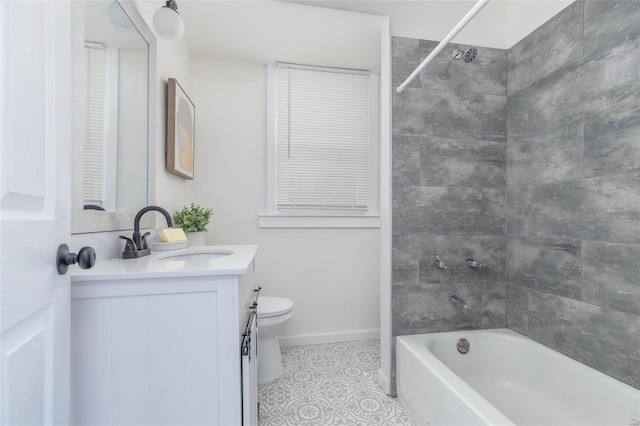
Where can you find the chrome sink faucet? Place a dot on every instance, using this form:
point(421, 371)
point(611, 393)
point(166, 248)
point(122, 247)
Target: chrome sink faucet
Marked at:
point(137, 245)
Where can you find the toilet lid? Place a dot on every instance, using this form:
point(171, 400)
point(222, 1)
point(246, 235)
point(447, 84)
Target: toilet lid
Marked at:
point(273, 306)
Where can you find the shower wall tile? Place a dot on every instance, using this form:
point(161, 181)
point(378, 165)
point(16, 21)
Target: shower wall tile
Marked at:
point(443, 211)
point(448, 162)
point(555, 100)
point(613, 79)
point(487, 73)
point(405, 57)
point(405, 255)
point(517, 308)
point(612, 139)
point(552, 266)
point(556, 43)
point(604, 339)
point(449, 199)
point(517, 209)
point(494, 305)
point(437, 113)
point(598, 209)
point(550, 155)
point(494, 207)
point(454, 251)
point(573, 178)
point(426, 308)
point(494, 118)
point(609, 23)
point(406, 160)
point(612, 276)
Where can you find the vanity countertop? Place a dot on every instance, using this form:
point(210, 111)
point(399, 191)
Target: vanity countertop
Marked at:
point(157, 266)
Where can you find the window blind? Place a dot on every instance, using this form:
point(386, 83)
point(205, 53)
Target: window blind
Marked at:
point(95, 138)
point(322, 138)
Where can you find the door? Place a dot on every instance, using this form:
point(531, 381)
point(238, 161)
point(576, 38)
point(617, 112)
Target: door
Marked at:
point(35, 132)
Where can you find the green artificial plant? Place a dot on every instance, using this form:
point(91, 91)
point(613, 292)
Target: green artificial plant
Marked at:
point(193, 219)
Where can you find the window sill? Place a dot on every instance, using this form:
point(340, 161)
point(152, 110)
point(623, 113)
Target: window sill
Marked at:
point(306, 221)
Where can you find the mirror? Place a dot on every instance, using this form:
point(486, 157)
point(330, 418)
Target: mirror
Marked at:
point(113, 64)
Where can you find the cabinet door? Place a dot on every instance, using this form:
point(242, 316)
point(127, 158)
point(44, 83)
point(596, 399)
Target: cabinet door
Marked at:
point(163, 359)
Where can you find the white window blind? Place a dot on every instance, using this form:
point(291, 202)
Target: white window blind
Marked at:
point(322, 139)
point(95, 138)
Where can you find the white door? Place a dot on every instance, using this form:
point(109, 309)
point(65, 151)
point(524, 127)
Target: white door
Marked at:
point(35, 131)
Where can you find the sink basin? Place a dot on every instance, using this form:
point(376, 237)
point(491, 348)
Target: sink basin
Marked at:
point(191, 256)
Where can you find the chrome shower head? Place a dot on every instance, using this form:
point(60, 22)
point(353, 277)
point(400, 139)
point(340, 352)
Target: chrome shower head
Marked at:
point(468, 54)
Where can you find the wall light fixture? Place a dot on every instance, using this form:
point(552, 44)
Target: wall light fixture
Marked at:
point(168, 22)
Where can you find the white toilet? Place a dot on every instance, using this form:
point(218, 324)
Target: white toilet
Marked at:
point(273, 312)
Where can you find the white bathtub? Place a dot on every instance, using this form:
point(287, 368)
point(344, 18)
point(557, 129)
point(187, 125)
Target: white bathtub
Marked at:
point(505, 379)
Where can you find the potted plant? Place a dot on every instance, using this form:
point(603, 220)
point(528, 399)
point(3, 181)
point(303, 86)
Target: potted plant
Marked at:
point(193, 221)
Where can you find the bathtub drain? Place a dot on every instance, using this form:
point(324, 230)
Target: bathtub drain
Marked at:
point(463, 346)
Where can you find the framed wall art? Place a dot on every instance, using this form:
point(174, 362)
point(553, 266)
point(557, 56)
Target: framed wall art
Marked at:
point(181, 121)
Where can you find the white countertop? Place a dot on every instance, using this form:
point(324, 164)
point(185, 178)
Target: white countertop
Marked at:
point(153, 266)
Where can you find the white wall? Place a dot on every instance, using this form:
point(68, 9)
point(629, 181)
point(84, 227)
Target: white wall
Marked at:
point(173, 61)
point(332, 275)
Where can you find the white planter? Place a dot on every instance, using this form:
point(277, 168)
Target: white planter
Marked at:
point(196, 238)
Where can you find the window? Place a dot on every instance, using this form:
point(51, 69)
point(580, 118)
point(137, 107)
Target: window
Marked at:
point(322, 154)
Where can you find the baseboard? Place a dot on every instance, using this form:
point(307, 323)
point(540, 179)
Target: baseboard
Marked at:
point(383, 381)
point(336, 337)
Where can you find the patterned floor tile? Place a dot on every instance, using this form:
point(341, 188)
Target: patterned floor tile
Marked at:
point(327, 385)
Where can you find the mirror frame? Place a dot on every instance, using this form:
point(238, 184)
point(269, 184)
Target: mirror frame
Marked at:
point(86, 221)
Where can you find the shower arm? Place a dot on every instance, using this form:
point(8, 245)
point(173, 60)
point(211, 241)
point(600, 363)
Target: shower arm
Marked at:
point(468, 17)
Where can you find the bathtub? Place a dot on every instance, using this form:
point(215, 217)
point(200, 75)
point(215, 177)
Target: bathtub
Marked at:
point(505, 379)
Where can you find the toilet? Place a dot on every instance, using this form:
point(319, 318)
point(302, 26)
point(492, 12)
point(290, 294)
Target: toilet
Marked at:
point(273, 313)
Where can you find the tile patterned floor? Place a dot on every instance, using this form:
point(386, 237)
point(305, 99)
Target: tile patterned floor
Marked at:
point(327, 385)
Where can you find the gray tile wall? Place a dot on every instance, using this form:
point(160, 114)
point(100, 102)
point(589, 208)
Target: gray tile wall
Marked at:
point(573, 186)
point(449, 180)
point(554, 209)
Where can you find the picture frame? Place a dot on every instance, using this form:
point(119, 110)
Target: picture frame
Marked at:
point(181, 125)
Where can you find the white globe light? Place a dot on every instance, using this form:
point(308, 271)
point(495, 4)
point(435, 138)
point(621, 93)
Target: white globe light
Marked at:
point(168, 23)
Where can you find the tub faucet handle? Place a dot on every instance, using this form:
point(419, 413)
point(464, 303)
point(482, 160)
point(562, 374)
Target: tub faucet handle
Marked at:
point(440, 263)
point(475, 265)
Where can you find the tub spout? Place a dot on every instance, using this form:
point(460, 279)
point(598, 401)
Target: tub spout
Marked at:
point(459, 303)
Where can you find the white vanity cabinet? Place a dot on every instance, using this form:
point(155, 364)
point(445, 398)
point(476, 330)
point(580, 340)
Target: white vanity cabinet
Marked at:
point(158, 342)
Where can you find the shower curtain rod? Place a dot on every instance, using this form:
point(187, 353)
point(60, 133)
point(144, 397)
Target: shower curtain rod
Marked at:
point(468, 17)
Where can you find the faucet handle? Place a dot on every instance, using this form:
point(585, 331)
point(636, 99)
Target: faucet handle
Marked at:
point(473, 264)
point(129, 246)
point(440, 263)
point(145, 243)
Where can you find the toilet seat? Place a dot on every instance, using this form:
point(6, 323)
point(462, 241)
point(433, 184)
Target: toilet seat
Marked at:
point(273, 306)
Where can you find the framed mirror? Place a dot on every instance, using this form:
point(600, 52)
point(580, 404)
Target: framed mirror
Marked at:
point(114, 55)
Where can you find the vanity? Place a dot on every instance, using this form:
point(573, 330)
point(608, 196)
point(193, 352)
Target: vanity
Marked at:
point(160, 340)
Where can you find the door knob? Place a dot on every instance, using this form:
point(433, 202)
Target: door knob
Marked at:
point(85, 258)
